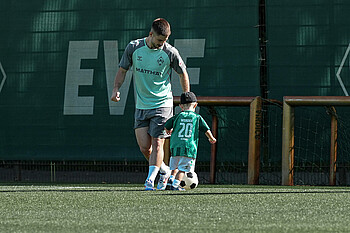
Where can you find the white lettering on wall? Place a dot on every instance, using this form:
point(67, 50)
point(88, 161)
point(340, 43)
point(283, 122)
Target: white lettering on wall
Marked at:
point(111, 66)
point(73, 103)
point(75, 76)
point(187, 48)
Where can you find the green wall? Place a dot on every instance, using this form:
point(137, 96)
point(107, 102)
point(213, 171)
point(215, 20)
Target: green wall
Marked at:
point(307, 41)
point(60, 58)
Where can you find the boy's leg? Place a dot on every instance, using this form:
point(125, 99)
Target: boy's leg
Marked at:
point(178, 178)
point(185, 164)
point(177, 181)
point(171, 179)
point(173, 174)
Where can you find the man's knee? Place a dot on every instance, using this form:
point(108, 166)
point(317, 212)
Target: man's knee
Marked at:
point(145, 150)
point(157, 144)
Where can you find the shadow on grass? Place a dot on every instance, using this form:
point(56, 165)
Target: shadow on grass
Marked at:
point(189, 193)
point(70, 190)
point(184, 193)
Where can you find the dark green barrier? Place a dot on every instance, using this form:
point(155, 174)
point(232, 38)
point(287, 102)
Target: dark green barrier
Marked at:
point(60, 57)
point(308, 54)
point(307, 42)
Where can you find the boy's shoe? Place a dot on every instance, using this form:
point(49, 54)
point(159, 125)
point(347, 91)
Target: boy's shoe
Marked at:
point(178, 188)
point(163, 180)
point(149, 185)
point(169, 185)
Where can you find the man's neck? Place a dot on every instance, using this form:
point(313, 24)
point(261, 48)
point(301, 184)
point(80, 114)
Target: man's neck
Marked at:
point(147, 43)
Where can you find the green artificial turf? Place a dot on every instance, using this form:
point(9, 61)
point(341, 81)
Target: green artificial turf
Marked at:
point(127, 208)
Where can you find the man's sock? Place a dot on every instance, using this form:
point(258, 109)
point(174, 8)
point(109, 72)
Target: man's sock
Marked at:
point(164, 168)
point(152, 172)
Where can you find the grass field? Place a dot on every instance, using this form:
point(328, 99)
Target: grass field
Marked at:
point(127, 208)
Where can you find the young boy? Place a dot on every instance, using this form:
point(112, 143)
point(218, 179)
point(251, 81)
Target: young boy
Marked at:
point(184, 129)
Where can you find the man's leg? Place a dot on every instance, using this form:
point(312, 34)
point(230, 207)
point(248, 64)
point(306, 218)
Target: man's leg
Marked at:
point(146, 143)
point(156, 159)
point(144, 140)
point(157, 154)
point(152, 149)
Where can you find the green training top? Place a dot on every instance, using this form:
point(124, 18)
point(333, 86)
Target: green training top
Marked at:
point(184, 138)
point(152, 72)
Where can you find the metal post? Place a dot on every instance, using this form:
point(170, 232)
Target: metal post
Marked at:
point(214, 129)
point(333, 152)
point(287, 144)
point(255, 135)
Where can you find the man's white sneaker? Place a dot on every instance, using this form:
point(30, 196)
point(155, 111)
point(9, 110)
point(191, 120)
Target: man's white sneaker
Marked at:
point(149, 186)
point(163, 180)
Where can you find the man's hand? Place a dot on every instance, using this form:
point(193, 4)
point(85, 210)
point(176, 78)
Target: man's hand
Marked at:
point(115, 96)
point(119, 79)
point(168, 131)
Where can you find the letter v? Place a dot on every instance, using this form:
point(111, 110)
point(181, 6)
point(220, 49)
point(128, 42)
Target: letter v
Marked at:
point(111, 66)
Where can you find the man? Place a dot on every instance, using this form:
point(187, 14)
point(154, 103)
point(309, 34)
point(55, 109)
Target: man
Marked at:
point(152, 60)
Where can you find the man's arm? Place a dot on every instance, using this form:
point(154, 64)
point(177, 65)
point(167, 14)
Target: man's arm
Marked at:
point(119, 79)
point(168, 126)
point(184, 81)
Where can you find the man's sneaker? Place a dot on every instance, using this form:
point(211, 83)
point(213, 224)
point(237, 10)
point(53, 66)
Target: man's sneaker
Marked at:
point(149, 185)
point(163, 180)
point(178, 188)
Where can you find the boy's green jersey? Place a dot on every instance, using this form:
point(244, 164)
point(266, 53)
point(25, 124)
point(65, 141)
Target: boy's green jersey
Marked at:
point(184, 138)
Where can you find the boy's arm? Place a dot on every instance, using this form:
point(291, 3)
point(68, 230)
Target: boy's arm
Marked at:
point(204, 126)
point(210, 137)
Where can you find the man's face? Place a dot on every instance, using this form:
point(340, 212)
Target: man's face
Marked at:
point(157, 41)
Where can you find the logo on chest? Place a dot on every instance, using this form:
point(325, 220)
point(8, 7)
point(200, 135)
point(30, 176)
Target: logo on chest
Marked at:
point(160, 61)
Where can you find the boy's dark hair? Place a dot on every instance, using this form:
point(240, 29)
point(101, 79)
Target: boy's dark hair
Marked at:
point(161, 27)
point(188, 97)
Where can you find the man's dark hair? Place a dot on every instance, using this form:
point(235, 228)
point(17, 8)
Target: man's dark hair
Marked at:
point(161, 27)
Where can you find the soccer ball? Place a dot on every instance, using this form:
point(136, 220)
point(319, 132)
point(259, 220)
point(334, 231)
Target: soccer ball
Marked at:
point(190, 181)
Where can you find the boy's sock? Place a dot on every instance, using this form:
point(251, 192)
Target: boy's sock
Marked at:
point(171, 179)
point(176, 183)
point(152, 172)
